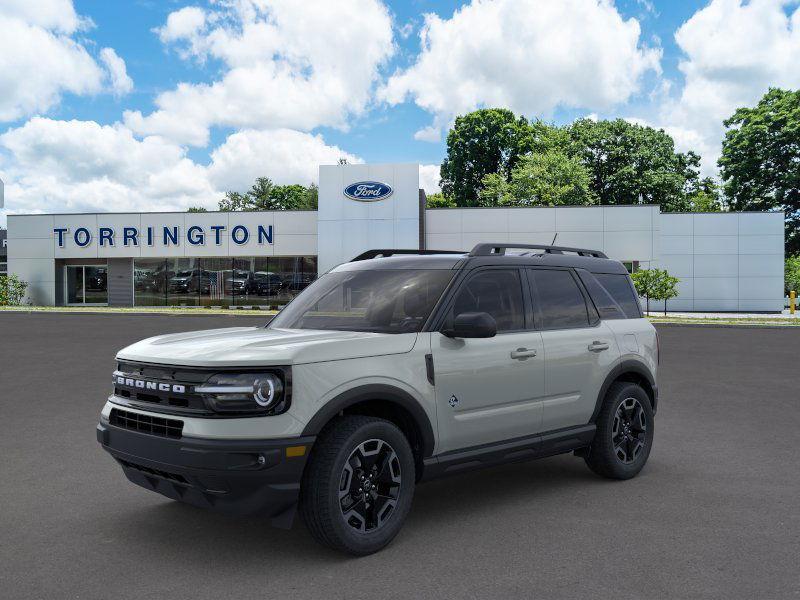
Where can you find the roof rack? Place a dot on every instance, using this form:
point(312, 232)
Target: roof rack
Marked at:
point(489, 249)
point(369, 254)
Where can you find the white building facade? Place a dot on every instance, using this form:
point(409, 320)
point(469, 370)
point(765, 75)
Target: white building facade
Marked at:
point(725, 261)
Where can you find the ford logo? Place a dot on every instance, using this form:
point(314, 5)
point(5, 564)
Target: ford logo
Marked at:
point(368, 191)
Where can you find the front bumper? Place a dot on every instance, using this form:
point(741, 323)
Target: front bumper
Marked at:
point(244, 477)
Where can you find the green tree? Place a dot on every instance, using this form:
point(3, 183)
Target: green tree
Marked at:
point(656, 284)
point(439, 200)
point(667, 288)
point(705, 197)
point(312, 197)
point(259, 197)
point(495, 190)
point(12, 290)
point(627, 162)
point(288, 197)
point(234, 201)
point(791, 278)
point(197, 209)
point(486, 141)
point(265, 195)
point(646, 283)
point(760, 162)
point(548, 179)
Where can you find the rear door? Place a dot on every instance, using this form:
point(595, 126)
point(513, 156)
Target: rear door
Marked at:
point(579, 348)
point(488, 390)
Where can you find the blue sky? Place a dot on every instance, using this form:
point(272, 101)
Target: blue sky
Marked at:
point(146, 104)
point(127, 26)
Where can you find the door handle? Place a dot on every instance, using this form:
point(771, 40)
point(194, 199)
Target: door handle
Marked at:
point(598, 346)
point(522, 353)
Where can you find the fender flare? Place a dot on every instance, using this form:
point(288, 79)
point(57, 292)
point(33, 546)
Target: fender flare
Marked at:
point(626, 366)
point(375, 391)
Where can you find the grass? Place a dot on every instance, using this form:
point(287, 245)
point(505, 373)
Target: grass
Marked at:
point(744, 321)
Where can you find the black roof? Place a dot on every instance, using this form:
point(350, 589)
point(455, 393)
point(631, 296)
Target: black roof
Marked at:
point(486, 254)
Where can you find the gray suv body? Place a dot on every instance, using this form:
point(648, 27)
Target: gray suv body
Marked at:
point(397, 367)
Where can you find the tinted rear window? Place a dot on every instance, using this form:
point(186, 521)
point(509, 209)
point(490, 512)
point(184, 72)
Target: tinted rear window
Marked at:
point(620, 289)
point(560, 301)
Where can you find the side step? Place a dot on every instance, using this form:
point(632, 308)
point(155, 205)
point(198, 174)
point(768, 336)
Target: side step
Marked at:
point(526, 448)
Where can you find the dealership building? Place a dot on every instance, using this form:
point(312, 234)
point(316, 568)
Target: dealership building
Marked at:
point(725, 261)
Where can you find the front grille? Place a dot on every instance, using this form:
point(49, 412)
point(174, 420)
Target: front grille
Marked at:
point(170, 428)
point(157, 472)
point(186, 402)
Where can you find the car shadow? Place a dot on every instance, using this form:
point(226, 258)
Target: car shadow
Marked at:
point(187, 534)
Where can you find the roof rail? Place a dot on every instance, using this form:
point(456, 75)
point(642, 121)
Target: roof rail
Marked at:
point(369, 254)
point(486, 249)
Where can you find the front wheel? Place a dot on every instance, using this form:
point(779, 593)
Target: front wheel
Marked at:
point(358, 486)
point(624, 436)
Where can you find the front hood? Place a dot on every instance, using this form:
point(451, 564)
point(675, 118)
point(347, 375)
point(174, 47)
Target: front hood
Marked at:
point(257, 346)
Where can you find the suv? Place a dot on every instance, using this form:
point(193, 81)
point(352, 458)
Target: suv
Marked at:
point(388, 370)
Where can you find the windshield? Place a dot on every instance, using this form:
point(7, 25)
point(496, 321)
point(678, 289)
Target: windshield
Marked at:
point(397, 301)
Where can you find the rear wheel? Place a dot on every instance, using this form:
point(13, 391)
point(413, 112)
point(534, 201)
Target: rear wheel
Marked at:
point(624, 434)
point(358, 486)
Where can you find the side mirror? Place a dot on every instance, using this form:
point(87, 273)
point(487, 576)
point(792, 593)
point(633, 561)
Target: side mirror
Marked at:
point(472, 325)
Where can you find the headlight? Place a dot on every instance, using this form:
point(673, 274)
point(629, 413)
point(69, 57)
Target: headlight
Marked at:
point(245, 393)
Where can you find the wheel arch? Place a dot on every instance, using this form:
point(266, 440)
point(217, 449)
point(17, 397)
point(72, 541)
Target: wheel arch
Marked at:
point(634, 372)
point(387, 402)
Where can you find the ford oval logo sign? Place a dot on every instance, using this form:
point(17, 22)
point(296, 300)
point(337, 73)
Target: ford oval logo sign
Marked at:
point(368, 191)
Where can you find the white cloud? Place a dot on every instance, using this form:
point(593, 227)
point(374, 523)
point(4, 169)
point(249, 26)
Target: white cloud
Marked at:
point(528, 55)
point(429, 178)
point(183, 24)
point(286, 64)
point(58, 15)
point(84, 166)
point(72, 166)
point(734, 51)
point(41, 58)
point(283, 155)
point(121, 83)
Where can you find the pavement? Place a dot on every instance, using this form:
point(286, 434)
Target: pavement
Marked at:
point(714, 514)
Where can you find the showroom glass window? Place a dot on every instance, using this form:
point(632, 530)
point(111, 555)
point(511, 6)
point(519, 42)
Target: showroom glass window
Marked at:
point(241, 281)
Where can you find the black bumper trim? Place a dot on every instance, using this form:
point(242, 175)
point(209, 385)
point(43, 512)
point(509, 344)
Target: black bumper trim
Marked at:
point(244, 477)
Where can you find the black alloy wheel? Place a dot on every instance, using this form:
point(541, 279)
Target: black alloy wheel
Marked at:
point(358, 485)
point(370, 485)
point(629, 433)
point(624, 435)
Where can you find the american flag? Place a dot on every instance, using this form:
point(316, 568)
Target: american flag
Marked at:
point(217, 285)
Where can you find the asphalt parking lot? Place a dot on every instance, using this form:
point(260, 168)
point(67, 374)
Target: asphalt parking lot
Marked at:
point(715, 514)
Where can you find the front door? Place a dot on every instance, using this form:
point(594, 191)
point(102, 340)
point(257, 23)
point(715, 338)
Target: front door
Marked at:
point(488, 390)
point(86, 284)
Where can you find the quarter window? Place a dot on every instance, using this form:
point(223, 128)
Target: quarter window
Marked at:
point(561, 303)
point(620, 289)
point(497, 292)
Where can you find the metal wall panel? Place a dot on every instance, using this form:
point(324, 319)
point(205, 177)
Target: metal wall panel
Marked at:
point(120, 282)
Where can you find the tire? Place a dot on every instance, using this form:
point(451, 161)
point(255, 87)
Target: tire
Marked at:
point(624, 435)
point(352, 521)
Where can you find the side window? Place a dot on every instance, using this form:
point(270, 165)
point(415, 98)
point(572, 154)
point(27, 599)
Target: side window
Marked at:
point(606, 305)
point(560, 301)
point(620, 289)
point(497, 292)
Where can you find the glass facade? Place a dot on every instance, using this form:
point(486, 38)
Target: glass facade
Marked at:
point(244, 281)
point(87, 284)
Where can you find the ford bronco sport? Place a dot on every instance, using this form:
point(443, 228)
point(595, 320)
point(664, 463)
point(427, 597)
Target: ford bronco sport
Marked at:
point(396, 367)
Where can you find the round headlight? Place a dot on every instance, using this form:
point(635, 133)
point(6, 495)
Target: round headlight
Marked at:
point(266, 391)
point(243, 392)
